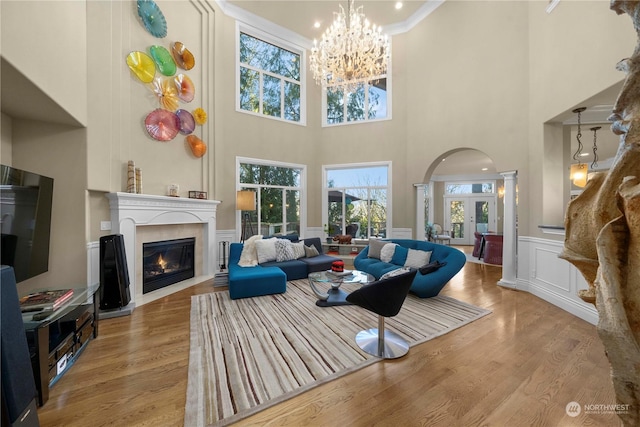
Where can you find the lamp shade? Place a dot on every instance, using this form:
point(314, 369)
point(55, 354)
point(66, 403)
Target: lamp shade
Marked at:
point(578, 174)
point(246, 200)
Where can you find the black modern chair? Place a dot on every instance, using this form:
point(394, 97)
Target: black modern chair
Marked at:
point(385, 298)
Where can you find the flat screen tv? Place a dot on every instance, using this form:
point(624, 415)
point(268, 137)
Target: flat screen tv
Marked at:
point(25, 221)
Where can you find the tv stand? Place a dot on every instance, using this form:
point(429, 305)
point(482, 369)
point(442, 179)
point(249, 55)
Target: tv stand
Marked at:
point(56, 340)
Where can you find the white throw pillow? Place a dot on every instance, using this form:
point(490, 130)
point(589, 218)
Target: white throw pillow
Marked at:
point(417, 258)
point(393, 273)
point(266, 249)
point(298, 250)
point(284, 251)
point(387, 251)
point(249, 256)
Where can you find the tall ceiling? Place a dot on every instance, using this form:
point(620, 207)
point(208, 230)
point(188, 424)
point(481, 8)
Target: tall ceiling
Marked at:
point(299, 16)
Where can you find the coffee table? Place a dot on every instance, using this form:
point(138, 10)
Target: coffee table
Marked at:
point(334, 295)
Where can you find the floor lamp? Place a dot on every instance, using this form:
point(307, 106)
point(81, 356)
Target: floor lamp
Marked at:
point(246, 201)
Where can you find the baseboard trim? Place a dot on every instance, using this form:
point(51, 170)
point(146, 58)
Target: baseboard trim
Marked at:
point(584, 311)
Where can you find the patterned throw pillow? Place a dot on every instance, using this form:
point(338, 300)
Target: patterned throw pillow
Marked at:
point(394, 273)
point(387, 251)
point(284, 250)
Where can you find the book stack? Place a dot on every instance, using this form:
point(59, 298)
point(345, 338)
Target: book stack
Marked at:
point(45, 300)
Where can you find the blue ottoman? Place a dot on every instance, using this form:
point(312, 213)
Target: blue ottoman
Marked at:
point(247, 282)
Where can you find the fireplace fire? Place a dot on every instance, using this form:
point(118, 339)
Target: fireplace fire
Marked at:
point(167, 262)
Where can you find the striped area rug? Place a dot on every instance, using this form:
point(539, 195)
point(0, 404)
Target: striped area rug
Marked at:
point(252, 353)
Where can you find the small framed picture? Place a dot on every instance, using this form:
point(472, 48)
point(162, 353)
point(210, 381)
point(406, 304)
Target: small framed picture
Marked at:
point(197, 194)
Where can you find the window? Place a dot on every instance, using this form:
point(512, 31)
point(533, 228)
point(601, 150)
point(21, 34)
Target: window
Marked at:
point(270, 82)
point(358, 200)
point(368, 102)
point(279, 189)
point(469, 188)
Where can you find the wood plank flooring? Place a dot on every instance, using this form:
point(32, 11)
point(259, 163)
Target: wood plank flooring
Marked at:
point(519, 366)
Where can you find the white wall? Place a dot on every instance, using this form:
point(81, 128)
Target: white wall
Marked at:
point(573, 53)
point(555, 280)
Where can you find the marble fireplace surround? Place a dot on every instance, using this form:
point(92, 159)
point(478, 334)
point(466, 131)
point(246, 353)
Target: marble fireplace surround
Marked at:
point(130, 212)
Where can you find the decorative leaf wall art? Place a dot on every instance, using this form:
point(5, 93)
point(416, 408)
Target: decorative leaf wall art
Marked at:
point(163, 124)
point(152, 18)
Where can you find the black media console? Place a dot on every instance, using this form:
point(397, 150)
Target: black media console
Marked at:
point(56, 341)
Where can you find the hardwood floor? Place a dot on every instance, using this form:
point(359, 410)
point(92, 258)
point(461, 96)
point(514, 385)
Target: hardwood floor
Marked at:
point(519, 366)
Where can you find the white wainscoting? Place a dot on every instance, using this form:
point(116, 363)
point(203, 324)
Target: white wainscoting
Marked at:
point(540, 271)
point(555, 280)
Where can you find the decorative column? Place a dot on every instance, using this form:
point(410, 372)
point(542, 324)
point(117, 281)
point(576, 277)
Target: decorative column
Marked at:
point(509, 244)
point(420, 217)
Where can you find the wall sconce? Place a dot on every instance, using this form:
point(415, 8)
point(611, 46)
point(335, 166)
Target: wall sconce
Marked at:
point(246, 201)
point(578, 172)
point(501, 191)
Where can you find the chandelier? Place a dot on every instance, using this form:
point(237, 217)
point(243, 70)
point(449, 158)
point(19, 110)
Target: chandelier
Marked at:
point(351, 51)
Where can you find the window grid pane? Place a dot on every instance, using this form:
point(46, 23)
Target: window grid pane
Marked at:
point(250, 90)
point(271, 96)
point(268, 57)
point(335, 105)
point(291, 101)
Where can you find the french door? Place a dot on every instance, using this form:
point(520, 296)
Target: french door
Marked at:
point(466, 214)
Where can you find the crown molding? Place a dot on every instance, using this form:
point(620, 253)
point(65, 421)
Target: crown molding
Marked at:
point(265, 25)
point(256, 21)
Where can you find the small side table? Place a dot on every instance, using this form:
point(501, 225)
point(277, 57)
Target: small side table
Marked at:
point(334, 295)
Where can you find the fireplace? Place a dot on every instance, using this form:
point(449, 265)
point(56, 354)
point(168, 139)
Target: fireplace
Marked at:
point(143, 218)
point(167, 262)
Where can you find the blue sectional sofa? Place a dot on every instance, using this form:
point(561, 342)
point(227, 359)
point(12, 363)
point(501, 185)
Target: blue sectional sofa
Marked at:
point(424, 285)
point(271, 277)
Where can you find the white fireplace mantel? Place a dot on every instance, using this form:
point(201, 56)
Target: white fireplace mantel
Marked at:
point(129, 211)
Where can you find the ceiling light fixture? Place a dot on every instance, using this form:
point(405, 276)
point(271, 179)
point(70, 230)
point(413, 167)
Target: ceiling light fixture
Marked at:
point(350, 52)
point(399, 5)
point(578, 172)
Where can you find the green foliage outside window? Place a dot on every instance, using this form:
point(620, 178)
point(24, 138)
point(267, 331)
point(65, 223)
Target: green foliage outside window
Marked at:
point(278, 196)
point(279, 70)
point(358, 106)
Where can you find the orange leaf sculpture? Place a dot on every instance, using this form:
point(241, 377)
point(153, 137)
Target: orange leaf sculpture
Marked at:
point(198, 147)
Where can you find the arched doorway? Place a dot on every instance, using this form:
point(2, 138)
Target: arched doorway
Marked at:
point(461, 193)
point(468, 161)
